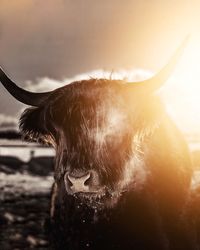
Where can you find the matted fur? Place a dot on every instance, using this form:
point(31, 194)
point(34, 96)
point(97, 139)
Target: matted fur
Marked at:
point(141, 158)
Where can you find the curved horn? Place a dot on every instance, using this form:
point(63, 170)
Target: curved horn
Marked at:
point(22, 95)
point(156, 81)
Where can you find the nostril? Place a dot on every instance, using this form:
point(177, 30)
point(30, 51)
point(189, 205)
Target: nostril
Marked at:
point(88, 181)
point(78, 180)
point(69, 182)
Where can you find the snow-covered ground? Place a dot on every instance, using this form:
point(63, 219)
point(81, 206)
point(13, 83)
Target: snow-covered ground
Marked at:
point(26, 153)
point(18, 184)
point(23, 150)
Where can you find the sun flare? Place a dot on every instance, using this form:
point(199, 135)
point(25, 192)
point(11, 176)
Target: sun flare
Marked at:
point(182, 91)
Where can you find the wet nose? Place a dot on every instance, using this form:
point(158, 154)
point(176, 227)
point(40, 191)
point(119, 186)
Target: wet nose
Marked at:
point(79, 183)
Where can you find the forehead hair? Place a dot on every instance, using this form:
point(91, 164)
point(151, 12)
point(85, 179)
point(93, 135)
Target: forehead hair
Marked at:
point(83, 107)
point(92, 117)
point(89, 101)
point(101, 102)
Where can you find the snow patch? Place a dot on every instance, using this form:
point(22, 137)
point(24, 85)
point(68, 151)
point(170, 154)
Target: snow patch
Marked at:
point(22, 184)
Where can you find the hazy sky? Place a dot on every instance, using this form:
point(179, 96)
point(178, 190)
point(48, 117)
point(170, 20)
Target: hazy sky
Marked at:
point(63, 38)
point(66, 37)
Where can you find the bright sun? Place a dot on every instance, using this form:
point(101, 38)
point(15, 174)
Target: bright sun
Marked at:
point(182, 91)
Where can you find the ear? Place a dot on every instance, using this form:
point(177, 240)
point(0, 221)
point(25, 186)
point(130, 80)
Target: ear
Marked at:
point(35, 125)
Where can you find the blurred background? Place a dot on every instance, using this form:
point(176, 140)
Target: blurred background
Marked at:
point(46, 44)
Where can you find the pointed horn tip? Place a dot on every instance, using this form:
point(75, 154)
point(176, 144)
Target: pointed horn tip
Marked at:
point(22, 95)
point(1, 70)
point(157, 80)
point(188, 37)
point(185, 41)
point(2, 73)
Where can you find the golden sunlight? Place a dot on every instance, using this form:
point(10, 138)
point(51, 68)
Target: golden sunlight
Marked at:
point(182, 92)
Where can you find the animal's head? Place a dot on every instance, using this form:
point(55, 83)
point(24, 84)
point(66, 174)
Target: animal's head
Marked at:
point(97, 127)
